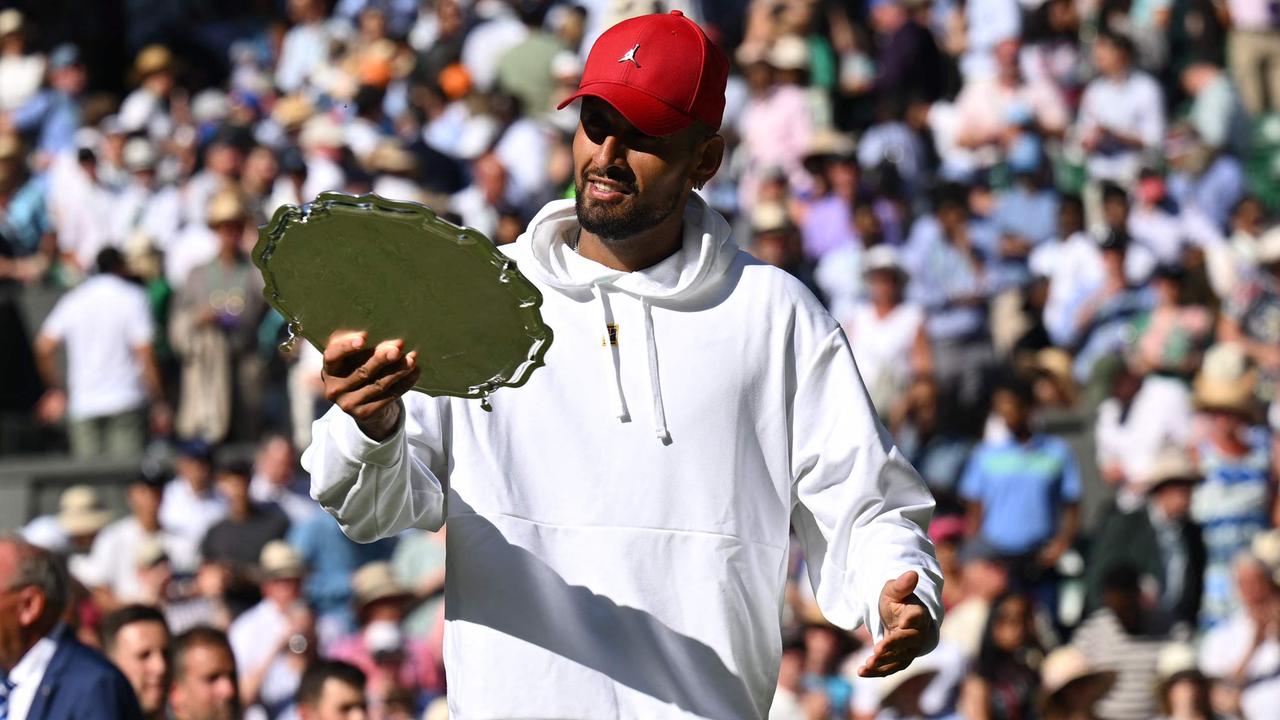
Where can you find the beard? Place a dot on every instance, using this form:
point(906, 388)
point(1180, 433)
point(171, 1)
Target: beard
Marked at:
point(616, 225)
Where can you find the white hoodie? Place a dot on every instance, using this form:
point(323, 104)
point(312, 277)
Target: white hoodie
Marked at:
point(619, 526)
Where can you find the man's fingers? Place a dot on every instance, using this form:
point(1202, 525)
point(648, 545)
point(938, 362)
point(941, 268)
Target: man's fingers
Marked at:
point(392, 380)
point(343, 342)
point(344, 379)
point(879, 667)
point(901, 588)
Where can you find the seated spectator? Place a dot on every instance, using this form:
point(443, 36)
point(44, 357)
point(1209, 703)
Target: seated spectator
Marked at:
point(332, 690)
point(1160, 542)
point(1117, 637)
point(40, 652)
point(1071, 685)
point(106, 327)
point(1023, 494)
point(1249, 311)
point(136, 639)
point(775, 240)
point(72, 530)
point(828, 222)
point(331, 559)
point(112, 563)
point(1183, 691)
point(930, 437)
point(190, 505)
point(825, 648)
point(1241, 655)
point(274, 640)
point(1216, 113)
point(1005, 679)
point(237, 541)
point(1121, 113)
point(204, 676)
point(276, 479)
point(839, 272)
point(984, 578)
point(1235, 501)
point(1102, 318)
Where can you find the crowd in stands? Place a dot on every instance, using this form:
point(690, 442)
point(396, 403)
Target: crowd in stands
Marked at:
point(1049, 228)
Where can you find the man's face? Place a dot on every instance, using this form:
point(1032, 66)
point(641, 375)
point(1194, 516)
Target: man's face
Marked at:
point(338, 701)
point(207, 688)
point(628, 182)
point(235, 488)
point(144, 502)
point(195, 470)
point(20, 608)
point(139, 652)
point(1174, 499)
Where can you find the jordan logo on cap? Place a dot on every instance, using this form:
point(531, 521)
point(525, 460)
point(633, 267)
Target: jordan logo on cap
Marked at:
point(631, 55)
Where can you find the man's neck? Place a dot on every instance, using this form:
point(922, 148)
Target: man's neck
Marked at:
point(636, 253)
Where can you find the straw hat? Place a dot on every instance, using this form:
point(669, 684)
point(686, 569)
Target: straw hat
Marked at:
point(280, 561)
point(770, 217)
point(80, 511)
point(788, 52)
point(153, 59)
point(1225, 381)
point(1176, 661)
point(10, 22)
point(913, 679)
point(826, 145)
point(1067, 669)
point(390, 157)
point(225, 206)
point(1172, 464)
point(374, 582)
point(321, 131)
point(149, 552)
point(291, 111)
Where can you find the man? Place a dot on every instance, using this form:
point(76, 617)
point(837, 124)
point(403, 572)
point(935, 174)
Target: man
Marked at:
point(276, 480)
point(47, 674)
point(638, 573)
point(1240, 654)
point(190, 505)
point(1117, 637)
point(1023, 493)
point(1161, 542)
point(105, 324)
point(54, 114)
point(1121, 113)
point(236, 542)
point(269, 646)
point(204, 676)
point(112, 563)
point(332, 690)
point(136, 639)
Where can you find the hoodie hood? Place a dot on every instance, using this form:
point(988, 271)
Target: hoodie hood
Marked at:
point(706, 253)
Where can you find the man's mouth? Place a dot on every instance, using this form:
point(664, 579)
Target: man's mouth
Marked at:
point(602, 188)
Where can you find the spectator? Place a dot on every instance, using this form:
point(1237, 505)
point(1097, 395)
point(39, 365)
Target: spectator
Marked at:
point(828, 222)
point(825, 648)
point(1240, 654)
point(39, 652)
point(21, 72)
point(74, 527)
point(111, 565)
point(775, 241)
point(274, 639)
point(1251, 42)
point(190, 505)
point(136, 639)
point(237, 541)
point(1117, 637)
point(1023, 493)
point(204, 676)
point(418, 563)
point(146, 109)
point(1248, 311)
point(276, 479)
point(1005, 681)
point(909, 63)
point(1072, 686)
point(1104, 314)
point(214, 331)
point(1183, 692)
point(332, 690)
point(1160, 542)
point(54, 114)
point(331, 560)
point(1121, 113)
point(1216, 114)
point(105, 326)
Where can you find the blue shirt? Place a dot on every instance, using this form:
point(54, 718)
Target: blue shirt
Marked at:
point(56, 116)
point(1022, 488)
point(942, 277)
point(332, 559)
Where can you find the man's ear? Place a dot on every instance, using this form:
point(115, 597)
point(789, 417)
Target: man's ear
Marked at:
point(710, 155)
point(32, 606)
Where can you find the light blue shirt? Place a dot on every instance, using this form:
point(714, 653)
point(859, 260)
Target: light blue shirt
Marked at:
point(1023, 489)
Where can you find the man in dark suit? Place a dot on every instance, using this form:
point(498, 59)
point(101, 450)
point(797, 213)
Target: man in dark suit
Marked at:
point(48, 673)
point(1161, 541)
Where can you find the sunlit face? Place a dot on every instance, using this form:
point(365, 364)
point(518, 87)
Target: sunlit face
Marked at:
point(207, 688)
point(139, 652)
point(337, 701)
point(628, 182)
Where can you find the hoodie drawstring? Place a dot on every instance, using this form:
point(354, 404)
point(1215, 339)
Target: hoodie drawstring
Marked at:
point(620, 401)
point(655, 385)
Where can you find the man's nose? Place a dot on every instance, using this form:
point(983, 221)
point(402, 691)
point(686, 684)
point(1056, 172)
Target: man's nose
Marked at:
point(610, 151)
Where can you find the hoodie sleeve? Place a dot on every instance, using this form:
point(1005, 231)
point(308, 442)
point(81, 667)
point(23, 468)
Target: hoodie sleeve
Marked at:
point(377, 489)
point(859, 508)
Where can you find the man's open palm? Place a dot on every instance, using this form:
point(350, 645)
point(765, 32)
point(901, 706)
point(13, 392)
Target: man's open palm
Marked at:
point(907, 628)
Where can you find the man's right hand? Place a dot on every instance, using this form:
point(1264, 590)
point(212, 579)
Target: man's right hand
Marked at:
point(367, 383)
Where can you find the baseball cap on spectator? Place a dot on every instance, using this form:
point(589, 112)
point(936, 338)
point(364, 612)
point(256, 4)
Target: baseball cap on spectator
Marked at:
point(10, 22)
point(788, 52)
point(383, 637)
point(196, 449)
point(210, 106)
point(883, 258)
point(111, 125)
point(946, 528)
point(1055, 366)
point(642, 67)
point(64, 56)
point(389, 157)
point(80, 511)
point(280, 561)
point(87, 139)
point(979, 550)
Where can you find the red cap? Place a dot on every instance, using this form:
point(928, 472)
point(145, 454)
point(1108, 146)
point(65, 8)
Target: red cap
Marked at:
point(660, 71)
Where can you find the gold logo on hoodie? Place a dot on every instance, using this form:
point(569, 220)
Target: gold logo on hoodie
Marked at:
point(611, 335)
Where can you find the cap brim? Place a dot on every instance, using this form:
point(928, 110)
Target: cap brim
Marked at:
point(648, 114)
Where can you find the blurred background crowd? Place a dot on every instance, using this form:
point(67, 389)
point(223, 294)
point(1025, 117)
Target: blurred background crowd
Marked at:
point(1048, 228)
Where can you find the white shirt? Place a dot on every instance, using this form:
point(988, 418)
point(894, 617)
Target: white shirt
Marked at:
point(20, 77)
point(102, 323)
point(112, 561)
point(487, 43)
point(1223, 649)
point(187, 514)
point(621, 521)
point(28, 674)
point(1132, 106)
point(254, 637)
point(882, 346)
point(1158, 231)
point(296, 505)
point(190, 248)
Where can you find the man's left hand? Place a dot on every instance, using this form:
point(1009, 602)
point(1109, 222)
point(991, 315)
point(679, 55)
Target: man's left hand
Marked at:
point(907, 628)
